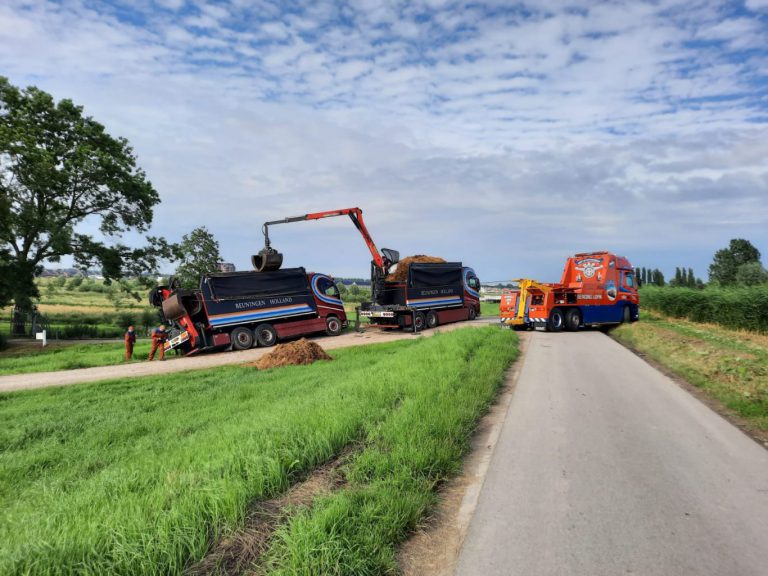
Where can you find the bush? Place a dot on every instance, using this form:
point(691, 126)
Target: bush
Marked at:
point(735, 307)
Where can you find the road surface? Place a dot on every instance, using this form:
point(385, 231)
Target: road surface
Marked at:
point(180, 364)
point(605, 467)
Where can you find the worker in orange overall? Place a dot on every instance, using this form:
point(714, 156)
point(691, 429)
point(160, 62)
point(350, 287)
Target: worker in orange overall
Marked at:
point(159, 336)
point(130, 340)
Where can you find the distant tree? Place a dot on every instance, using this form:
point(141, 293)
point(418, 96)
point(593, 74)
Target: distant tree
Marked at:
point(726, 261)
point(678, 280)
point(74, 282)
point(59, 168)
point(751, 274)
point(199, 255)
point(690, 279)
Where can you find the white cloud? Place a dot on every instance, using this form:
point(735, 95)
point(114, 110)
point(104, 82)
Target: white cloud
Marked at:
point(472, 132)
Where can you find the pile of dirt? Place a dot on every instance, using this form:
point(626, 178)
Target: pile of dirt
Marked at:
point(297, 353)
point(401, 273)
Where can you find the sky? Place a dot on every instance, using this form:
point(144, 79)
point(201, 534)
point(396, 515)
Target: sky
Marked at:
point(506, 135)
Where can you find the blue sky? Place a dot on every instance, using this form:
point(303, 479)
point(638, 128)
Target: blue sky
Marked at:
point(507, 135)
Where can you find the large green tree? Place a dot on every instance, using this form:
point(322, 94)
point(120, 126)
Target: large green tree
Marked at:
point(726, 262)
point(60, 169)
point(751, 274)
point(199, 254)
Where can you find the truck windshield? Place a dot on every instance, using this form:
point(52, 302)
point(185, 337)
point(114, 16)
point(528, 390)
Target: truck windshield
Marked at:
point(629, 280)
point(328, 288)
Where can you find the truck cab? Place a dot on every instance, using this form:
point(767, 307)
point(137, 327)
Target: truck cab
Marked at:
point(242, 309)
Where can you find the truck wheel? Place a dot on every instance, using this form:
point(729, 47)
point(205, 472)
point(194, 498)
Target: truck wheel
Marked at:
point(572, 320)
point(332, 326)
point(419, 321)
point(432, 320)
point(266, 335)
point(627, 318)
point(242, 338)
point(556, 321)
point(472, 313)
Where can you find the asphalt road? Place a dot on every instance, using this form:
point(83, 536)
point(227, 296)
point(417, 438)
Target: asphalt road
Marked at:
point(605, 466)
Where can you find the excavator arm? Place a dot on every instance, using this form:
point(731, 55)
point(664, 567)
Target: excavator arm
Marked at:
point(268, 259)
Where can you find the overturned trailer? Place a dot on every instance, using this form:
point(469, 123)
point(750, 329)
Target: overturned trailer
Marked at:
point(240, 309)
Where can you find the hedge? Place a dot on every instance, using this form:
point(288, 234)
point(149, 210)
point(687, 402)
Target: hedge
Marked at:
point(742, 308)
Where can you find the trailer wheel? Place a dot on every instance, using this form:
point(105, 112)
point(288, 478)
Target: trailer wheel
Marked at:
point(332, 326)
point(266, 335)
point(472, 313)
point(432, 320)
point(556, 321)
point(242, 338)
point(572, 320)
point(419, 321)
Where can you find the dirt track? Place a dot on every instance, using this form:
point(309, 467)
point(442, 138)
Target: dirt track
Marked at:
point(175, 364)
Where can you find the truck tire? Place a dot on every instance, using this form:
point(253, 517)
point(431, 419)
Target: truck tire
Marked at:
point(556, 321)
point(432, 320)
point(266, 335)
point(627, 317)
point(419, 321)
point(572, 320)
point(242, 338)
point(332, 326)
point(472, 313)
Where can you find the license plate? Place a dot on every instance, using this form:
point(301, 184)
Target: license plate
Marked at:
point(374, 314)
point(176, 341)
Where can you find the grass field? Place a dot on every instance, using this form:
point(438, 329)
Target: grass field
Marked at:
point(34, 358)
point(142, 476)
point(729, 365)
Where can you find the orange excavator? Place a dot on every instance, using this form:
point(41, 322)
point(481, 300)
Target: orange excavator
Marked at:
point(432, 293)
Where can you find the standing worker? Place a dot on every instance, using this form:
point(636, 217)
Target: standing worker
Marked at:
point(159, 336)
point(130, 340)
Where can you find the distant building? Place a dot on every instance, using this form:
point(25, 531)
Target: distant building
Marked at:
point(226, 267)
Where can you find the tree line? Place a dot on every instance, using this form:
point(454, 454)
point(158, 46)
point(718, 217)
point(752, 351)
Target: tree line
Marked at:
point(738, 264)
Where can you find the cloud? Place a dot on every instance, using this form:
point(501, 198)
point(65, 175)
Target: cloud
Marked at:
point(505, 135)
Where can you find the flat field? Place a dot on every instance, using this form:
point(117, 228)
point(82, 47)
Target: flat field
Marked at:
point(33, 358)
point(145, 476)
point(728, 365)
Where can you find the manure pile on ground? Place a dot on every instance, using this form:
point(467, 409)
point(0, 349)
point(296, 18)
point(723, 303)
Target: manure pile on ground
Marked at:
point(401, 274)
point(297, 353)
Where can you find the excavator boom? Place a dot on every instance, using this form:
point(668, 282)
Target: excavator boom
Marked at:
point(268, 259)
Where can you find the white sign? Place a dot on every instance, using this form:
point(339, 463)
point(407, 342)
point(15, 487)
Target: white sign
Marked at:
point(42, 336)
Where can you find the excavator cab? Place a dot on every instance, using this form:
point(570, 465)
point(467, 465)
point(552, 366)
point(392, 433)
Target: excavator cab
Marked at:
point(391, 256)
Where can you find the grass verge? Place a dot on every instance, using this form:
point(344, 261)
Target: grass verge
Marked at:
point(142, 476)
point(728, 365)
point(391, 484)
point(34, 358)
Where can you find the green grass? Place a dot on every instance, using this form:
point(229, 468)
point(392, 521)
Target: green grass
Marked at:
point(489, 308)
point(35, 358)
point(729, 365)
point(141, 476)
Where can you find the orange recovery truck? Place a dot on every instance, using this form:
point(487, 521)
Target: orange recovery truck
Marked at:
point(596, 289)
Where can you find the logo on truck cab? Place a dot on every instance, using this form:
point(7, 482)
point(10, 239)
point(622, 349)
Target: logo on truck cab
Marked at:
point(589, 266)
